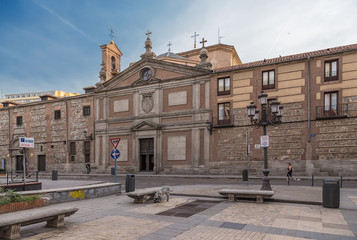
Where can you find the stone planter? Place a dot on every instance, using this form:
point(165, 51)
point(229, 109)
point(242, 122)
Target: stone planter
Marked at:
point(12, 207)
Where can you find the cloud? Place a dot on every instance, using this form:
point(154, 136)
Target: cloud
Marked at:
point(65, 21)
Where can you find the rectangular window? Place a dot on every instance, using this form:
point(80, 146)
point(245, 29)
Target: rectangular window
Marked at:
point(86, 110)
point(330, 103)
point(19, 121)
point(268, 79)
point(224, 86)
point(331, 70)
point(72, 148)
point(224, 116)
point(57, 114)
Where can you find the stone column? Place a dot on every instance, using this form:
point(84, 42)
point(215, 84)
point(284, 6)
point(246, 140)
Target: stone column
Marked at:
point(207, 89)
point(158, 152)
point(195, 147)
point(136, 103)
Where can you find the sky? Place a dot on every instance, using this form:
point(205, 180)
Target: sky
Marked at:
point(55, 44)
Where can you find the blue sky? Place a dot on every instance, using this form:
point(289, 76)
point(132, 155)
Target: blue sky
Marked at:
point(54, 44)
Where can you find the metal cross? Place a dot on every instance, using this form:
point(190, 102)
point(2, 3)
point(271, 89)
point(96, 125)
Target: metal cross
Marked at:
point(169, 45)
point(194, 36)
point(148, 33)
point(203, 42)
point(111, 34)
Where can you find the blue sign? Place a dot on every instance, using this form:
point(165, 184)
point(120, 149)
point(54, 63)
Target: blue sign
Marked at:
point(115, 154)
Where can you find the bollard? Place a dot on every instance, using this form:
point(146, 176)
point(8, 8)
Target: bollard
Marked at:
point(312, 180)
point(341, 182)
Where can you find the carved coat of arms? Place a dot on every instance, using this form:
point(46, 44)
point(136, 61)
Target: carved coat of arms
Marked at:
point(147, 103)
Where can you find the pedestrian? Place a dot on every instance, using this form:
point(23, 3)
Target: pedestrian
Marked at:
point(290, 173)
point(88, 168)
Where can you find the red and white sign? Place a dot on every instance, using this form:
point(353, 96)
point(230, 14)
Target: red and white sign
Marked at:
point(115, 142)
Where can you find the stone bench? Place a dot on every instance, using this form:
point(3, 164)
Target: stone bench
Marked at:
point(142, 195)
point(259, 195)
point(10, 223)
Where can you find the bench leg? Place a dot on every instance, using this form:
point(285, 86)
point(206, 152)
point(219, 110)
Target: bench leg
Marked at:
point(231, 197)
point(56, 222)
point(11, 232)
point(142, 199)
point(260, 199)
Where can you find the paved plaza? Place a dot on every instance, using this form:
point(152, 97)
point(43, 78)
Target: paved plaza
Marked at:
point(190, 214)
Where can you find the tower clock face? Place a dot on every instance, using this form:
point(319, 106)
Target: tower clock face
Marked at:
point(146, 74)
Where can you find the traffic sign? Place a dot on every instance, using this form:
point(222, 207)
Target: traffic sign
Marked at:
point(115, 154)
point(115, 142)
point(27, 142)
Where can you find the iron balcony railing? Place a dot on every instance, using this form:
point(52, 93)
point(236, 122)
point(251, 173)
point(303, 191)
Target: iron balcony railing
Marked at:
point(331, 111)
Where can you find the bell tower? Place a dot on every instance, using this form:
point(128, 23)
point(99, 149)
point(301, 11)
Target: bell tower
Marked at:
point(110, 61)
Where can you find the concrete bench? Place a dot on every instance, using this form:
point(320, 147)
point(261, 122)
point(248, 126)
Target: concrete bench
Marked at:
point(142, 195)
point(10, 223)
point(259, 195)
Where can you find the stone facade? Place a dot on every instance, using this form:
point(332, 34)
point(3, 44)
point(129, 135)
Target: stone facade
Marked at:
point(162, 112)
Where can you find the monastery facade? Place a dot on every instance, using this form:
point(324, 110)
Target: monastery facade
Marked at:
point(186, 113)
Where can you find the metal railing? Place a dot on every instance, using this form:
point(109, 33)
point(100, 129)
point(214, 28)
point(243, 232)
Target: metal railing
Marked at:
point(332, 111)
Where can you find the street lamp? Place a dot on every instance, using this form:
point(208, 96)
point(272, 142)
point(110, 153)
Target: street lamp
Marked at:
point(273, 118)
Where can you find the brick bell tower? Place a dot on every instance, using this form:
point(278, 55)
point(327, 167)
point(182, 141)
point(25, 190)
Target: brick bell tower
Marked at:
point(110, 61)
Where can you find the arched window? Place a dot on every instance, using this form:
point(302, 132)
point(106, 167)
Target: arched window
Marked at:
point(113, 63)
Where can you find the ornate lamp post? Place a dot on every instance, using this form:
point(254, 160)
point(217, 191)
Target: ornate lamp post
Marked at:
point(266, 119)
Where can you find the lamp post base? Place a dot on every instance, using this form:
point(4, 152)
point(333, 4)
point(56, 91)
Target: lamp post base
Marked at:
point(266, 181)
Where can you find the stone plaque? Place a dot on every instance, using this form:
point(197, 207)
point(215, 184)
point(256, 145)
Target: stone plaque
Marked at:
point(176, 148)
point(177, 98)
point(121, 105)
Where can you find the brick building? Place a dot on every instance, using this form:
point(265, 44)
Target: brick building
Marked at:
point(162, 109)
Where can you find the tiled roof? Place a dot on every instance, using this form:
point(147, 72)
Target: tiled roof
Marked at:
point(298, 56)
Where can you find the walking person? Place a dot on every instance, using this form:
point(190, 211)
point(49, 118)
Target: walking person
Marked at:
point(88, 168)
point(290, 173)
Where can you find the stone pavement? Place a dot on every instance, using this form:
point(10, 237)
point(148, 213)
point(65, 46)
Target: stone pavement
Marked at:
point(191, 215)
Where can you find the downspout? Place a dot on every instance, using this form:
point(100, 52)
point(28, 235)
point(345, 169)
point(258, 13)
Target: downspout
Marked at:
point(308, 101)
point(93, 129)
point(10, 153)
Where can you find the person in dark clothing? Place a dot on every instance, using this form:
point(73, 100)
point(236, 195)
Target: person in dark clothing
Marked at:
point(290, 173)
point(88, 168)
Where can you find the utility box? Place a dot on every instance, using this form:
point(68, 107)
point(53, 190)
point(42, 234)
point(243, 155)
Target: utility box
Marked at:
point(331, 193)
point(245, 175)
point(54, 175)
point(112, 171)
point(130, 183)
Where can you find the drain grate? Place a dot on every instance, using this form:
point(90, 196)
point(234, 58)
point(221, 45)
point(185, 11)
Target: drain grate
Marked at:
point(230, 225)
point(189, 209)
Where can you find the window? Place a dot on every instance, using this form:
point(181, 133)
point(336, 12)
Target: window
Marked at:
point(268, 79)
point(224, 86)
point(19, 121)
point(72, 148)
point(86, 110)
point(224, 110)
point(331, 70)
point(330, 103)
point(113, 63)
point(57, 114)
point(86, 151)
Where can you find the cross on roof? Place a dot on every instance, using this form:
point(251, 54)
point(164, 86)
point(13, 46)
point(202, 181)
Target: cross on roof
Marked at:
point(169, 45)
point(203, 42)
point(194, 36)
point(111, 33)
point(148, 33)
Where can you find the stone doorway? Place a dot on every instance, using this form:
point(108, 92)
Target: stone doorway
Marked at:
point(147, 155)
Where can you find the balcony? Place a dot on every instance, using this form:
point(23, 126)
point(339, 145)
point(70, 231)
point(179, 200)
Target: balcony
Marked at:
point(335, 111)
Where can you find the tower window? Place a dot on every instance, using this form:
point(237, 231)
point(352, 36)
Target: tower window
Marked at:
point(113, 63)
